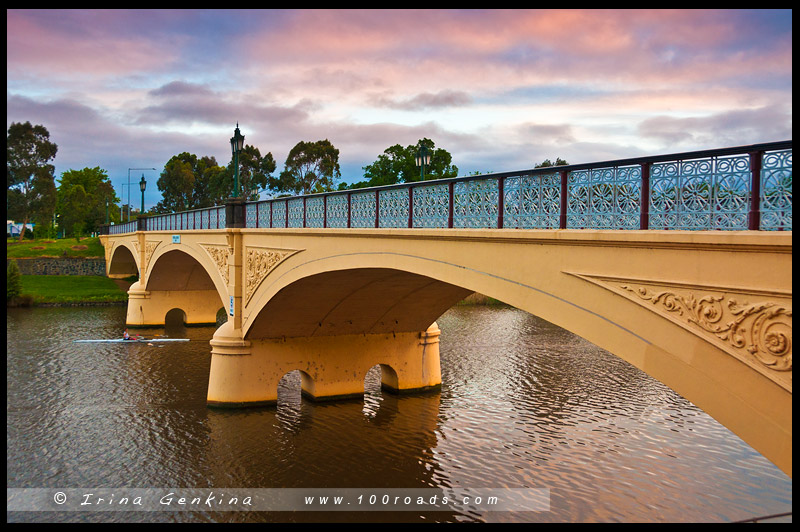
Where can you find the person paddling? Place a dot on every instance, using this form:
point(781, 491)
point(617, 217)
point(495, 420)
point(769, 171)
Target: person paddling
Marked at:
point(125, 335)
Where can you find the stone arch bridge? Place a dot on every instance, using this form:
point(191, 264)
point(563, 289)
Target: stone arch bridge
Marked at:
point(332, 285)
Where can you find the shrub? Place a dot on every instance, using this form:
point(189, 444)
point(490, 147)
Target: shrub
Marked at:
point(13, 281)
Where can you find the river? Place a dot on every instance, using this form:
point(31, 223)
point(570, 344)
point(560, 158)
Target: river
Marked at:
point(524, 404)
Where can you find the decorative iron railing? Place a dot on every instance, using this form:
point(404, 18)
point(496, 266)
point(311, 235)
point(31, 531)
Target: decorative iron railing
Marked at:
point(741, 188)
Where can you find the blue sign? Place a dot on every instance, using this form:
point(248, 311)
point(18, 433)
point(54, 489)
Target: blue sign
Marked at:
point(176, 239)
point(231, 311)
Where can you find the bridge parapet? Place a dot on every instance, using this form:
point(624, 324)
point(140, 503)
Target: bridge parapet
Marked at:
point(738, 188)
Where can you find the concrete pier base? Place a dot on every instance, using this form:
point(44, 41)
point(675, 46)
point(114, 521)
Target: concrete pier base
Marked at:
point(148, 308)
point(246, 373)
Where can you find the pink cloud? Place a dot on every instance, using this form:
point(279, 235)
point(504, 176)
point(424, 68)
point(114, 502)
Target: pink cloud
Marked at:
point(35, 46)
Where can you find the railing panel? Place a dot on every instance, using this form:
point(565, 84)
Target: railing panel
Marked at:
point(700, 194)
point(295, 212)
point(315, 211)
point(337, 210)
point(393, 207)
point(251, 214)
point(476, 203)
point(431, 205)
point(363, 210)
point(604, 198)
point(264, 219)
point(532, 201)
point(279, 214)
point(776, 191)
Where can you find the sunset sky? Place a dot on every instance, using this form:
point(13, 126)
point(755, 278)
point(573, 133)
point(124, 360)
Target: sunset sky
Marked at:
point(499, 89)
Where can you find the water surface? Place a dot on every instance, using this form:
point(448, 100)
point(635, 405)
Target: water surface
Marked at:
point(523, 404)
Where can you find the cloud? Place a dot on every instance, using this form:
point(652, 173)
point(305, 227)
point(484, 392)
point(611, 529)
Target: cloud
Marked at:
point(729, 128)
point(74, 42)
point(183, 103)
point(425, 100)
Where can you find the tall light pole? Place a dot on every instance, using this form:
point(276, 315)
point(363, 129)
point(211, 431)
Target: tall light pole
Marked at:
point(142, 186)
point(423, 158)
point(129, 192)
point(237, 144)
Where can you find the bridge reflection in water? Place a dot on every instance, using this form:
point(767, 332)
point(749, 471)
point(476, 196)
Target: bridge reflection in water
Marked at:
point(679, 264)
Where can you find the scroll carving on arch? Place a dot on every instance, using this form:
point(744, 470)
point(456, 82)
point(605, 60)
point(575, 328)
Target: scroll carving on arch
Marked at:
point(259, 262)
point(754, 327)
point(220, 255)
point(149, 248)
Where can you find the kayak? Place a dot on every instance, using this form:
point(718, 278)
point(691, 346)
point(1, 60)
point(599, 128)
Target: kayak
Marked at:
point(133, 340)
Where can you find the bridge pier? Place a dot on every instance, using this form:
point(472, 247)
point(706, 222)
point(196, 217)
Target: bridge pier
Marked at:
point(148, 308)
point(246, 372)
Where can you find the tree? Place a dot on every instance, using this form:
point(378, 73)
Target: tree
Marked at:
point(255, 173)
point(548, 162)
point(398, 165)
point(177, 182)
point(82, 198)
point(29, 177)
point(208, 180)
point(310, 167)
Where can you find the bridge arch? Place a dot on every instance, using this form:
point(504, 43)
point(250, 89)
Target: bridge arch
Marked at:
point(177, 278)
point(651, 304)
point(123, 260)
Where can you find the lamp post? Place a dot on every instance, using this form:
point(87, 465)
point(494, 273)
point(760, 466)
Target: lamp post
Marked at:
point(142, 186)
point(129, 192)
point(423, 158)
point(237, 144)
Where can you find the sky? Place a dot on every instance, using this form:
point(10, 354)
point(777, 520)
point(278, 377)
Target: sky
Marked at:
point(501, 90)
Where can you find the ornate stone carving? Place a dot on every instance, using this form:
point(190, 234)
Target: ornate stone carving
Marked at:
point(220, 255)
point(755, 327)
point(762, 329)
point(258, 263)
point(149, 248)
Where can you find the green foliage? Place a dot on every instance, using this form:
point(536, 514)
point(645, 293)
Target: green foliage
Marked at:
point(13, 281)
point(310, 167)
point(82, 197)
point(29, 176)
point(398, 165)
point(548, 162)
point(192, 182)
point(255, 173)
point(177, 183)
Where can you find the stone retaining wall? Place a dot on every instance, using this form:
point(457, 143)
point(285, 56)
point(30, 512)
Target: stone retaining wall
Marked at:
point(60, 266)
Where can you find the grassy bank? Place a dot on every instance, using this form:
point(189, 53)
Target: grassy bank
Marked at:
point(65, 247)
point(66, 289)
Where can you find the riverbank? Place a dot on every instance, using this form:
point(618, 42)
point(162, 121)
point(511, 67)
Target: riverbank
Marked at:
point(71, 290)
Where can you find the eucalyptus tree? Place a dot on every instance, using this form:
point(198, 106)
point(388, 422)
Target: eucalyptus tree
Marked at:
point(31, 191)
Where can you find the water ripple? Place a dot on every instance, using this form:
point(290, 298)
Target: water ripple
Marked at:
point(523, 404)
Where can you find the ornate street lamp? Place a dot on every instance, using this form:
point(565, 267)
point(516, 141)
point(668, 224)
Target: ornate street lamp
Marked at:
point(129, 193)
point(237, 145)
point(142, 186)
point(423, 158)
